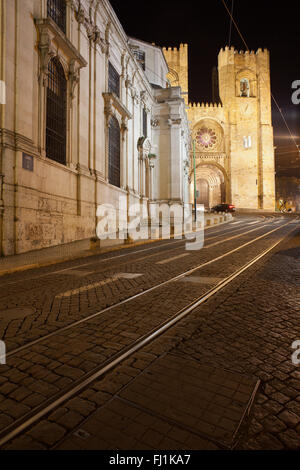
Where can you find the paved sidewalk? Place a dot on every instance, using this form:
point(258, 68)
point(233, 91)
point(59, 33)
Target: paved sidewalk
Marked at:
point(81, 249)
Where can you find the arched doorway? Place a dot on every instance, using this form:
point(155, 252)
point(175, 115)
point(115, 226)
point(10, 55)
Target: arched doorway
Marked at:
point(203, 192)
point(211, 185)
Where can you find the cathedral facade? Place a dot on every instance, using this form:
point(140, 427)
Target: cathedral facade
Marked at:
point(233, 136)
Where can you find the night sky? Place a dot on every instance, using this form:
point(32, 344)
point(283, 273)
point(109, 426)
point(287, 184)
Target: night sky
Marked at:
point(205, 26)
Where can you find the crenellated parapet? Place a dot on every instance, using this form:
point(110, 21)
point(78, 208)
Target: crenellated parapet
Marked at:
point(205, 105)
point(241, 52)
point(229, 56)
point(177, 60)
point(175, 50)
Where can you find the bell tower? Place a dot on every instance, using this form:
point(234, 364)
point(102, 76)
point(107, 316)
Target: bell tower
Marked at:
point(245, 92)
point(177, 59)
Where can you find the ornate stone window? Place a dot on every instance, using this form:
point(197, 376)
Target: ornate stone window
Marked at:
point(140, 57)
point(113, 80)
point(246, 83)
point(245, 87)
point(56, 9)
point(209, 136)
point(247, 142)
point(206, 138)
point(56, 112)
point(114, 152)
point(173, 78)
point(145, 124)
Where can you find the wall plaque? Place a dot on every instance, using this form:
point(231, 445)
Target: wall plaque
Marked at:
point(27, 162)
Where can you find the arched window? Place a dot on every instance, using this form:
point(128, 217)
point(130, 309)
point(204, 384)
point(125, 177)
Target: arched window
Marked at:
point(173, 78)
point(56, 112)
point(56, 9)
point(114, 152)
point(113, 80)
point(245, 87)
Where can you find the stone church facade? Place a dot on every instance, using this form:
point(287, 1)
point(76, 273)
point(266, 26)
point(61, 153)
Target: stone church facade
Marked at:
point(88, 117)
point(234, 137)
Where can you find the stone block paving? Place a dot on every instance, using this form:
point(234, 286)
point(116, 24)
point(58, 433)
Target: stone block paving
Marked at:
point(247, 329)
point(120, 425)
point(205, 400)
point(52, 312)
point(48, 368)
point(58, 364)
point(251, 332)
point(171, 405)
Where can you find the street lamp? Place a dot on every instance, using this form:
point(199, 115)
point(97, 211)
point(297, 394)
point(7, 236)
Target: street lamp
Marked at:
point(195, 182)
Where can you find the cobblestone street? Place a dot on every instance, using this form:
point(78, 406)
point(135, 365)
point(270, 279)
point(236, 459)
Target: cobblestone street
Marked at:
point(98, 358)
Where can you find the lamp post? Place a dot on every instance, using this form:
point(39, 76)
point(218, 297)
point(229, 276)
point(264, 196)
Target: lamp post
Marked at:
point(195, 182)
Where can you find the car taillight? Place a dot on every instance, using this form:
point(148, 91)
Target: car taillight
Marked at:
point(231, 207)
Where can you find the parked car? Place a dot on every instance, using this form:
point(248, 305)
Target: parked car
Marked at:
point(223, 208)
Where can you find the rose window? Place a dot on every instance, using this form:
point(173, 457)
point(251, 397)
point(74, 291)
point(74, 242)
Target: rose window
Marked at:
point(206, 137)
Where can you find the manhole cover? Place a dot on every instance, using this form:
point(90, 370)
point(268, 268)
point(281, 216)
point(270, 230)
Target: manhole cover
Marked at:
point(16, 313)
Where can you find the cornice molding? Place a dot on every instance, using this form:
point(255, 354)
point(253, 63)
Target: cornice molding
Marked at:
point(112, 101)
point(52, 42)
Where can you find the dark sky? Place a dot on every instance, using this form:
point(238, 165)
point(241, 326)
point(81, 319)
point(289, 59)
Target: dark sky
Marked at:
point(205, 25)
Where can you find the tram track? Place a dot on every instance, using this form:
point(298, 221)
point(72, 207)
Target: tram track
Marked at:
point(138, 295)
point(127, 254)
point(167, 248)
point(22, 424)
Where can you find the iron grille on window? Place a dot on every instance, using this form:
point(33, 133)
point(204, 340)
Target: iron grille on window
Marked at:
point(141, 58)
point(145, 127)
point(113, 80)
point(56, 9)
point(56, 112)
point(114, 153)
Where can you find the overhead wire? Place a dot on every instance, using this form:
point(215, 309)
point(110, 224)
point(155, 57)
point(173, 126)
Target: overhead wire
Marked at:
point(230, 29)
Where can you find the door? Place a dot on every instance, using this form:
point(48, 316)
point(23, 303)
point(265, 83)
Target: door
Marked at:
point(203, 192)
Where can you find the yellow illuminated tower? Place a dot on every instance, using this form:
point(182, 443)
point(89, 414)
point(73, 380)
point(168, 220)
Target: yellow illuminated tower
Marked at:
point(245, 92)
point(234, 137)
point(177, 59)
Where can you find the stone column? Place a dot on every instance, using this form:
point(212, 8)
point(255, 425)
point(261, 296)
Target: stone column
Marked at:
point(123, 156)
point(151, 168)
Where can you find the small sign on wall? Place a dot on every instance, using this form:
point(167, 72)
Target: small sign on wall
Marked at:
point(27, 162)
point(2, 92)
